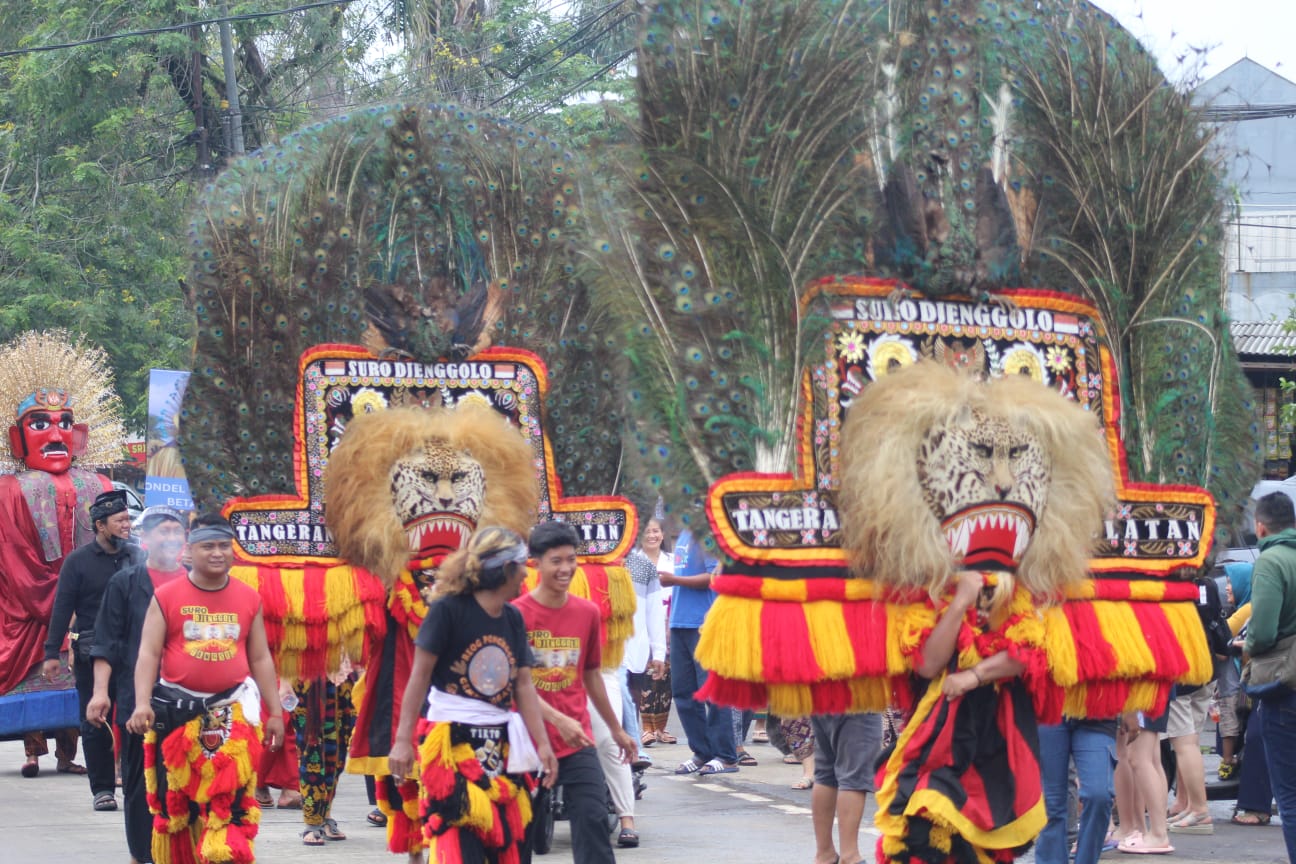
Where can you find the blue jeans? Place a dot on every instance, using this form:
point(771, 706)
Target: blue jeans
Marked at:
point(1254, 793)
point(1278, 726)
point(630, 711)
point(1094, 752)
point(708, 728)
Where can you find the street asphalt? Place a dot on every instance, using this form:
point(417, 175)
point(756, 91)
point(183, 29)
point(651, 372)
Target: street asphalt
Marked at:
point(753, 817)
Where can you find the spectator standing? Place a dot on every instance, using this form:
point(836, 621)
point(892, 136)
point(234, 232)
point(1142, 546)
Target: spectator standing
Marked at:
point(564, 635)
point(1141, 791)
point(118, 629)
point(846, 748)
point(82, 580)
point(1091, 744)
point(1273, 618)
point(645, 650)
point(1187, 717)
point(655, 698)
point(708, 728)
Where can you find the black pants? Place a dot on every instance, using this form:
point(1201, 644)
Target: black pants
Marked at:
point(139, 822)
point(585, 801)
point(96, 741)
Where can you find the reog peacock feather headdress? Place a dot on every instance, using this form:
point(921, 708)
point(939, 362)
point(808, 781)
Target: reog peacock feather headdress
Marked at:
point(424, 232)
point(959, 147)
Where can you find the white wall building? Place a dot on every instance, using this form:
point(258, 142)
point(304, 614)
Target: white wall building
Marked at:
point(1255, 109)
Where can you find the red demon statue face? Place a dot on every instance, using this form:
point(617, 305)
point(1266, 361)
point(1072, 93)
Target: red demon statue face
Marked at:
point(45, 436)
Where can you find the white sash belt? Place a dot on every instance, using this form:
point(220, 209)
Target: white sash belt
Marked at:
point(447, 708)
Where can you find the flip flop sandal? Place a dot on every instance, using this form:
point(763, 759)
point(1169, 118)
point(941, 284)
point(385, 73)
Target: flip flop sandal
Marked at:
point(666, 738)
point(313, 836)
point(803, 783)
point(105, 801)
point(263, 798)
point(1250, 818)
point(628, 838)
point(648, 739)
point(331, 831)
point(747, 760)
point(377, 818)
point(715, 766)
point(1193, 823)
point(30, 769)
point(71, 768)
point(760, 737)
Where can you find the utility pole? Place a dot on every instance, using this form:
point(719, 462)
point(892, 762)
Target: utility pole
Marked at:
point(231, 84)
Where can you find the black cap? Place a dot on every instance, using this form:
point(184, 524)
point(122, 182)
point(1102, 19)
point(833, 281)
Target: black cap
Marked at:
point(108, 504)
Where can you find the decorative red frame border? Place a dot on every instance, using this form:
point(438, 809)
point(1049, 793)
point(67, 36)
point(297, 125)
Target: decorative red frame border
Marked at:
point(558, 504)
point(1126, 489)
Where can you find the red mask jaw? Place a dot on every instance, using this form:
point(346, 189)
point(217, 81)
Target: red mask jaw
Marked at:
point(435, 535)
point(990, 536)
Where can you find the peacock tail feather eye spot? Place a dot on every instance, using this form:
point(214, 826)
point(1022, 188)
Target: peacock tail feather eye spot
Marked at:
point(683, 304)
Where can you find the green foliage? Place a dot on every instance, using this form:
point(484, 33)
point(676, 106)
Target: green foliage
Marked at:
point(103, 145)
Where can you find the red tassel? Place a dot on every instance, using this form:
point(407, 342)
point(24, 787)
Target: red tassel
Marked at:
point(1095, 659)
point(787, 656)
point(747, 695)
point(1171, 662)
point(866, 624)
point(831, 697)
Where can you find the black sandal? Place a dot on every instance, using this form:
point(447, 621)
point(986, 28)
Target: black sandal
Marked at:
point(377, 818)
point(313, 835)
point(331, 831)
point(105, 801)
point(628, 838)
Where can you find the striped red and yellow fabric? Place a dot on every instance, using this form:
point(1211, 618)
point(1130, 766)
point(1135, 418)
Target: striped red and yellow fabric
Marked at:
point(314, 613)
point(826, 645)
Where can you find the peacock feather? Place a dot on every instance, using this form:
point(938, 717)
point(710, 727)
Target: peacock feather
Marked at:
point(958, 146)
point(426, 232)
point(749, 180)
point(1129, 205)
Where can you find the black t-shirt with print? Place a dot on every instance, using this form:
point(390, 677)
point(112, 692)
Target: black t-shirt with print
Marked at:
point(477, 655)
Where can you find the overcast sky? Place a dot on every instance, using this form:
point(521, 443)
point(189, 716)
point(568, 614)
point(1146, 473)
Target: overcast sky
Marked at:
point(1264, 30)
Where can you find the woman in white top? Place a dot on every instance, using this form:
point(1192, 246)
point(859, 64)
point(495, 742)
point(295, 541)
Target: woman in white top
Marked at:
point(648, 675)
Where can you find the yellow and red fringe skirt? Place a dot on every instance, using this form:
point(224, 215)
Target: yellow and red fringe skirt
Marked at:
point(458, 797)
point(180, 774)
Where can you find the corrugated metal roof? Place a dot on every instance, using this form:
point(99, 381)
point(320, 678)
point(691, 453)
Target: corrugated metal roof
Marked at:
point(1263, 338)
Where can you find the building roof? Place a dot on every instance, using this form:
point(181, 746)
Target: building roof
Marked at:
point(1263, 338)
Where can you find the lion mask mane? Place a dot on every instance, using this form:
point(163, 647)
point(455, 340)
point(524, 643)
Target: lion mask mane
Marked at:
point(927, 438)
point(360, 509)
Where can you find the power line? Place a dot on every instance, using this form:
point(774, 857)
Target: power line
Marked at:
point(173, 28)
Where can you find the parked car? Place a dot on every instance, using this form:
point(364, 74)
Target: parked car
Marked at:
point(134, 506)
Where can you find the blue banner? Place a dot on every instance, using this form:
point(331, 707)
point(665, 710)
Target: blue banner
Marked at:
point(165, 483)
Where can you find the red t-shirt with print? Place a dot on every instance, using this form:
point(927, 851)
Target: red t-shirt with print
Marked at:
point(206, 634)
point(564, 644)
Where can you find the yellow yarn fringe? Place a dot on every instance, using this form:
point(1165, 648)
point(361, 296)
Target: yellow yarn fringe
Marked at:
point(730, 639)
